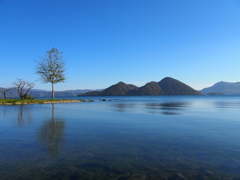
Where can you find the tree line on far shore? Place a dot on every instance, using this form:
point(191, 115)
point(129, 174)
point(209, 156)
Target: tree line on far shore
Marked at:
point(51, 69)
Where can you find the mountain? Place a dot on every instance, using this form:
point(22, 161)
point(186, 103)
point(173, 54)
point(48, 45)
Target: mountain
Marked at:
point(226, 88)
point(167, 86)
point(66, 93)
point(91, 93)
point(174, 87)
point(119, 89)
point(132, 86)
point(11, 93)
point(44, 93)
point(214, 93)
point(151, 88)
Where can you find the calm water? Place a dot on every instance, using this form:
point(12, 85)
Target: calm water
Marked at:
point(148, 137)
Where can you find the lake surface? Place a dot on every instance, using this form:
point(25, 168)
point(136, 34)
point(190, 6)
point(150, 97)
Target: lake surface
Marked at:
point(141, 137)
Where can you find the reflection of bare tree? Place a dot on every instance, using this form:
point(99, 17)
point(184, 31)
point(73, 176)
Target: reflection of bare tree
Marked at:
point(4, 111)
point(51, 133)
point(24, 114)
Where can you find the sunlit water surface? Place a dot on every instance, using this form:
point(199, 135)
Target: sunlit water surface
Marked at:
point(147, 137)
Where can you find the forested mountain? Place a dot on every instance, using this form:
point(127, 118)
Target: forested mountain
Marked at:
point(119, 89)
point(151, 88)
point(167, 86)
point(172, 86)
point(226, 88)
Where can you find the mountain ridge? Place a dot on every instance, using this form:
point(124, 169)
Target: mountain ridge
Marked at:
point(167, 86)
point(45, 93)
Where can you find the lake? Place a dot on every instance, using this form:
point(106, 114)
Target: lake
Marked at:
point(130, 137)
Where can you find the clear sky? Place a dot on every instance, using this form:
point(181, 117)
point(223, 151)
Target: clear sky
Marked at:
point(134, 41)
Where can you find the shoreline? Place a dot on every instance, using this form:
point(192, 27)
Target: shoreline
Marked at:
point(38, 101)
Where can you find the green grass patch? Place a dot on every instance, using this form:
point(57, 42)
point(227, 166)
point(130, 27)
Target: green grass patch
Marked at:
point(37, 101)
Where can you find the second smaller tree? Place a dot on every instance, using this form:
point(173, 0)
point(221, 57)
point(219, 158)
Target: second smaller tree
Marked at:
point(23, 87)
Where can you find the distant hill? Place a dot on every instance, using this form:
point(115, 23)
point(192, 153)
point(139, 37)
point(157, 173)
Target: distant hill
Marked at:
point(44, 93)
point(214, 93)
point(167, 86)
point(226, 88)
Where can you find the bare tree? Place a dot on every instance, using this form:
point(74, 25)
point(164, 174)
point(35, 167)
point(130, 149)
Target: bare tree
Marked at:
point(51, 68)
point(23, 87)
point(4, 92)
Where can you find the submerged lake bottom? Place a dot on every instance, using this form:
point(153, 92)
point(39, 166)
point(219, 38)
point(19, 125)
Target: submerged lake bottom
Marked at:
point(130, 137)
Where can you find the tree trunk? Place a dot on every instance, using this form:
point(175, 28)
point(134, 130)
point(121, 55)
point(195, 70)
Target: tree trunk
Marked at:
point(5, 94)
point(21, 96)
point(52, 91)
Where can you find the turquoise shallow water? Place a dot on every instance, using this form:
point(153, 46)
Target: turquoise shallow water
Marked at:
point(147, 137)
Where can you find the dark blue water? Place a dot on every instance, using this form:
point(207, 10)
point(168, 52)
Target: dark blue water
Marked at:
point(147, 137)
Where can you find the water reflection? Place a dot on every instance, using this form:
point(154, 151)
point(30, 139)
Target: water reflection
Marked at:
point(168, 105)
point(167, 108)
point(196, 145)
point(170, 113)
point(51, 134)
point(223, 104)
point(124, 107)
point(4, 111)
point(24, 114)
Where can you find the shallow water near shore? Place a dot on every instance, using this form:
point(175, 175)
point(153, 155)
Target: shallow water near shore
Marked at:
point(131, 137)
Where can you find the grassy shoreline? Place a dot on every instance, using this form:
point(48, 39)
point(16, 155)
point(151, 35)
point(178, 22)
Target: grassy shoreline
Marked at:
point(37, 101)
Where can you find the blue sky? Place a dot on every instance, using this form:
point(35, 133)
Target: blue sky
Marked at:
point(134, 41)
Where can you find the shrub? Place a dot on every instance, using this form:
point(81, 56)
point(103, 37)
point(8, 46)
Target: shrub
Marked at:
point(29, 97)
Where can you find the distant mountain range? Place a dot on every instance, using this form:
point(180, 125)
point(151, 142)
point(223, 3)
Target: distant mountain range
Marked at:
point(167, 86)
point(44, 93)
point(222, 87)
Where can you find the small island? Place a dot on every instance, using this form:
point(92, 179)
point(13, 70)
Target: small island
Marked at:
point(37, 101)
